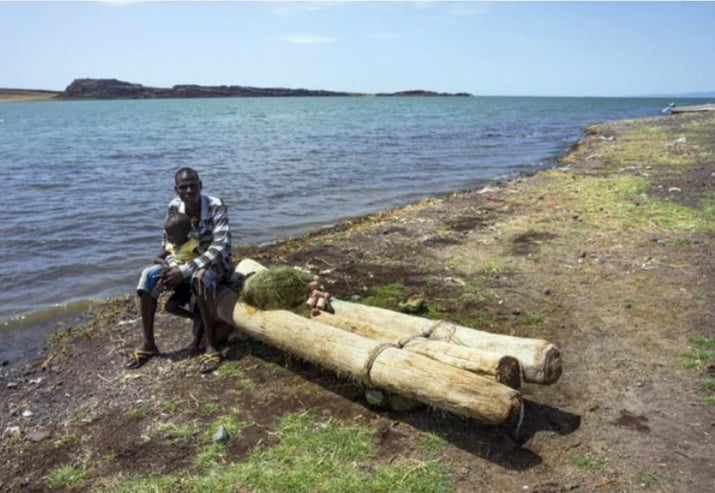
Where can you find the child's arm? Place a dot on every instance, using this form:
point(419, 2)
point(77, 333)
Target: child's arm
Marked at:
point(161, 259)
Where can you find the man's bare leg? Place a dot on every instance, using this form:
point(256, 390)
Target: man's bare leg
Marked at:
point(148, 310)
point(206, 302)
point(147, 307)
point(197, 329)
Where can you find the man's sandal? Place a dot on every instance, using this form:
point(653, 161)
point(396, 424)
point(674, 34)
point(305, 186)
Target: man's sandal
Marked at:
point(210, 362)
point(139, 357)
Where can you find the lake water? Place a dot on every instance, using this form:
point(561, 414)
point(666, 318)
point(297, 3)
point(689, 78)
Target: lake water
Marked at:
point(86, 183)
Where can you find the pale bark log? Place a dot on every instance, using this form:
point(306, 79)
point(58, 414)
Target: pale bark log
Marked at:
point(379, 364)
point(373, 362)
point(539, 359)
point(504, 369)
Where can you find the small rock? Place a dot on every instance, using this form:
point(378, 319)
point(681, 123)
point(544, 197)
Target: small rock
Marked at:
point(221, 435)
point(375, 397)
point(12, 431)
point(601, 260)
point(37, 435)
point(12, 385)
point(674, 189)
point(27, 413)
point(547, 291)
point(401, 404)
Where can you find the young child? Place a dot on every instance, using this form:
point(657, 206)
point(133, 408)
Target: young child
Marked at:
point(180, 248)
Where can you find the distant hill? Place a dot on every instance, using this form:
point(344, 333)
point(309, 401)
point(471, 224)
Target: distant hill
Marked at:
point(117, 89)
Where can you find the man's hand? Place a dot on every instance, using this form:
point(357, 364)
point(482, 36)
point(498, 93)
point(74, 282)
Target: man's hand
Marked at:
point(171, 277)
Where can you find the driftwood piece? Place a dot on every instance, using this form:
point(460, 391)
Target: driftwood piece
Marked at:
point(539, 359)
point(504, 369)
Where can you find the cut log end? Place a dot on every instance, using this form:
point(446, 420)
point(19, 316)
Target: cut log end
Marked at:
point(509, 372)
point(551, 367)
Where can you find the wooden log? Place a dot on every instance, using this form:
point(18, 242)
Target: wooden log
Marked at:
point(539, 359)
point(375, 363)
point(382, 365)
point(504, 369)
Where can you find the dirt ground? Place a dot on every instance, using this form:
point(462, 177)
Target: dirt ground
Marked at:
point(622, 300)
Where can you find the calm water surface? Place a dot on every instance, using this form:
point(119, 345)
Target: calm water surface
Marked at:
point(85, 184)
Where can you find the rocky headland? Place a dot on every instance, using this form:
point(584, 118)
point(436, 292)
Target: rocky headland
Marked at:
point(117, 89)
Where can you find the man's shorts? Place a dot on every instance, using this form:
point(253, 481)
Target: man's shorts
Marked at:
point(205, 280)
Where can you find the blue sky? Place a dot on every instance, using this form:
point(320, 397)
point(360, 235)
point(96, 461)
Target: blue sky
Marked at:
point(485, 48)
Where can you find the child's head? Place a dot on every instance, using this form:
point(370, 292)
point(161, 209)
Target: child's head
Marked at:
point(177, 228)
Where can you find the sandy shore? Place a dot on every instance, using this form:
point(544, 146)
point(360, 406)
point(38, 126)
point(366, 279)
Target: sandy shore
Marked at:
point(17, 95)
point(609, 256)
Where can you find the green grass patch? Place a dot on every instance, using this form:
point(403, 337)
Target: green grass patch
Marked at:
point(388, 296)
point(493, 268)
point(647, 478)
point(623, 201)
point(432, 444)
point(531, 319)
point(702, 352)
point(169, 406)
point(79, 414)
point(707, 384)
point(228, 369)
point(587, 462)
point(137, 412)
point(147, 485)
point(312, 456)
point(641, 144)
point(68, 476)
point(213, 454)
point(475, 291)
point(180, 431)
point(65, 440)
point(209, 408)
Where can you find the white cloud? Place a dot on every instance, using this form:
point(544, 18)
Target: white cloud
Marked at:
point(308, 40)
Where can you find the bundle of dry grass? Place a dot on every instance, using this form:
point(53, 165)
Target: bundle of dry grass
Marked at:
point(277, 288)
